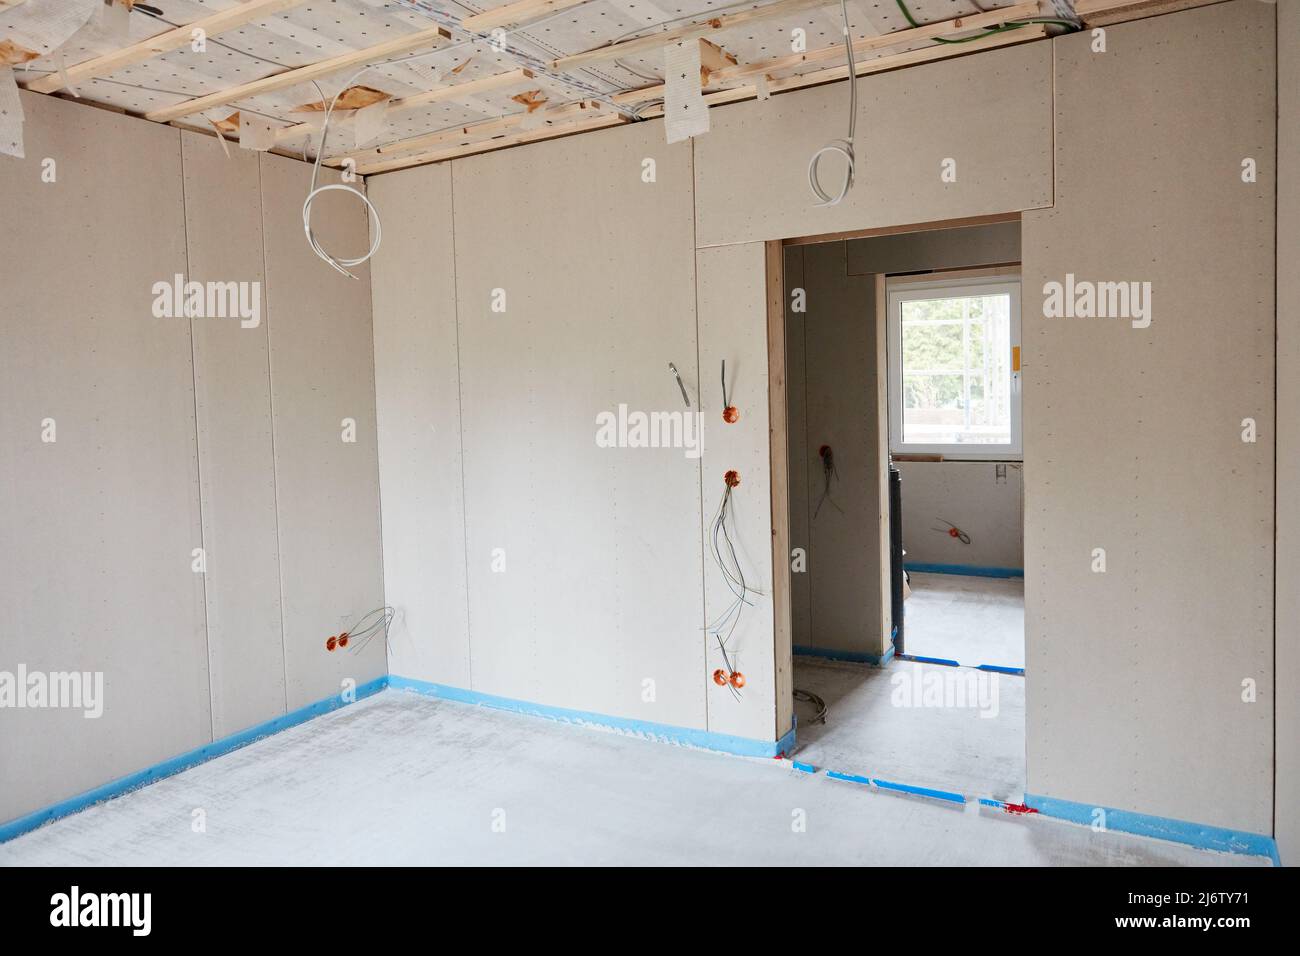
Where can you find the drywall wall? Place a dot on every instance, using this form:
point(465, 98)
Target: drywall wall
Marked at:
point(180, 442)
point(326, 466)
point(733, 328)
point(575, 286)
point(232, 403)
point(1286, 820)
point(933, 250)
point(1133, 436)
point(417, 386)
point(990, 113)
point(102, 518)
point(971, 495)
point(831, 348)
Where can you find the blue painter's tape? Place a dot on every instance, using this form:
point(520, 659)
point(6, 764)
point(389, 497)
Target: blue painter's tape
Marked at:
point(972, 570)
point(689, 736)
point(898, 787)
point(999, 669)
point(928, 660)
point(1198, 835)
point(986, 802)
point(804, 767)
point(186, 760)
point(850, 777)
point(919, 791)
point(853, 657)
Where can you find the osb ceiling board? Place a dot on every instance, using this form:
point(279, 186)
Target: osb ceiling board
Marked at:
point(318, 29)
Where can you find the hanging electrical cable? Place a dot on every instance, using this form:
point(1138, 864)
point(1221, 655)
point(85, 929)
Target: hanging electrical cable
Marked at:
point(372, 624)
point(724, 554)
point(842, 146)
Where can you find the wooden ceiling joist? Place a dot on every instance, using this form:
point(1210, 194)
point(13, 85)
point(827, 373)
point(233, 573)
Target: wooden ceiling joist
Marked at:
point(303, 74)
point(516, 14)
point(580, 125)
point(452, 91)
point(423, 143)
point(643, 45)
point(1024, 34)
point(165, 42)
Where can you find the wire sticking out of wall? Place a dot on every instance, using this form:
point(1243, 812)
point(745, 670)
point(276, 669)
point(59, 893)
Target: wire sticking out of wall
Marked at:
point(376, 227)
point(730, 415)
point(829, 472)
point(842, 146)
point(723, 549)
point(952, 531)
point(371, 625)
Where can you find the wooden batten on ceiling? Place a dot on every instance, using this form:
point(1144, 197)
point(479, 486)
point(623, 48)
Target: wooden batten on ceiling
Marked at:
point(304, 74)
point(516, 14)
point(165, 42)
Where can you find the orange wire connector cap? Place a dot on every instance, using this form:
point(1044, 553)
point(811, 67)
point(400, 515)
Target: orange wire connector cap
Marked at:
point(331, 643)
point(343, 639)
point(730, 415)
point(732, 478)
point(720, 677)
point(738, 679)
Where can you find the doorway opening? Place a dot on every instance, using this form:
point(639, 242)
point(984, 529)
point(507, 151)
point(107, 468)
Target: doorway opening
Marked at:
point(905, 513)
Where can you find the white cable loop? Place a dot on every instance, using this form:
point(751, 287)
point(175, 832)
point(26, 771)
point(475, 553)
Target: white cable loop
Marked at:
point(376, 232)
point(842, 146)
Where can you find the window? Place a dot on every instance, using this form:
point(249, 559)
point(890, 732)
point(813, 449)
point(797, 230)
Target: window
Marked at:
point(954, 369)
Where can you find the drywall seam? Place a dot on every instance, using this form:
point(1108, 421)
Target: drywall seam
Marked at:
point(699, 400)
point(198, 455)
point(460, 437)
point(275, 483)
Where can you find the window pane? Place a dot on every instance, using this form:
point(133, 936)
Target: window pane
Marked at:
point(956, 354)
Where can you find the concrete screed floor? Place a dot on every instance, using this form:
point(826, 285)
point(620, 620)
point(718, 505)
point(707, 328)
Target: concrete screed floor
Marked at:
point(971, 620)
point(403, 779)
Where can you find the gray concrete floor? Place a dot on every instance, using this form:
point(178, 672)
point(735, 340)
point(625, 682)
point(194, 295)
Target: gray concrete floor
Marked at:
point(901, 722)
point(403, 779)
point(966, 619)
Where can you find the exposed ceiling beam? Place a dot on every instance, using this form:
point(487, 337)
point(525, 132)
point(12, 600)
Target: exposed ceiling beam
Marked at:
point(514, 14)
point(165, 42)
point(606, 119)
point(657, 41)
point(835, 52)
point(425, 142)
point(452, 91)
point(303, 74)
point(881, 64)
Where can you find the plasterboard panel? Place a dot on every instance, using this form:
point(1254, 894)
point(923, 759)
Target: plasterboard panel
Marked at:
point(417, 388)
point(601, 587)
point(840, 386)
point(1288, 432)
point(936, 249)
point(1133, 436)
point(107, 514)
point(797, 444)
point(223, 237)
point(971, 496)
point(733, 328)
point(989, 112)
point(322, 372)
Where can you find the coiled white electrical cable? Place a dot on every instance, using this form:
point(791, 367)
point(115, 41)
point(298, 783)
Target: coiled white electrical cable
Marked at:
point(376, 227)
point(842, 146)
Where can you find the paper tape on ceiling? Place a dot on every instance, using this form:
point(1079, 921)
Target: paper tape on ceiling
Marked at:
point(685, 112)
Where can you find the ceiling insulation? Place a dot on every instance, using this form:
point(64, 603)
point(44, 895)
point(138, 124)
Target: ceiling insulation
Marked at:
point(504, 80)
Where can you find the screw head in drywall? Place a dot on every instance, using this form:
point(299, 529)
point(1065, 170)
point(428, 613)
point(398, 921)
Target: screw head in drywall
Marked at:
point(738, 680)
point(730, 415)
point(732, 478)
point(331, 642)
point(720, 677)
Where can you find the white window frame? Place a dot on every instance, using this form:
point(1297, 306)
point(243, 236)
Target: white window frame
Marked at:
point(906, 288)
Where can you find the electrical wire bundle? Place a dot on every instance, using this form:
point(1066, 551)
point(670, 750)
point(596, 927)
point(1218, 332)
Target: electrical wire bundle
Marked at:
point(723, 549)
point(371, 625)
point(842, 146)
point(808, 697)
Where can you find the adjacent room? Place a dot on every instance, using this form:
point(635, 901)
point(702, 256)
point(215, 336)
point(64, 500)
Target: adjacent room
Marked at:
point(606, 433)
